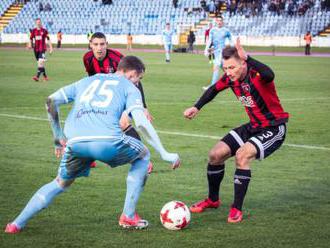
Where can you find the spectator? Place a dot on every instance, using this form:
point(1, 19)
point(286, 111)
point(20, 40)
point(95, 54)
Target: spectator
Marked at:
point(41, 7)
point(129, 42)
point(191, 40)
point(232, 7)
point(212, 7)
point(59, 39)
point(48, 7)
point(175, 3)
point(203, 5)
point(308, 39)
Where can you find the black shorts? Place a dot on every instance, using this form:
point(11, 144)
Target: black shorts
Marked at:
point(267, 140)
point(40, 55)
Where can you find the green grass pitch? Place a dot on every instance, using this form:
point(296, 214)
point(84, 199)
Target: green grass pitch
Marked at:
point(288, 202)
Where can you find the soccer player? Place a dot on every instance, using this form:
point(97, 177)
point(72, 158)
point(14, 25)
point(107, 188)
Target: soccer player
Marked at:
point(253, 84)
point(217, 39)
point(92, 132)
point(103, 60)
point(167, 41)
point(38, 37)
point(206, 38)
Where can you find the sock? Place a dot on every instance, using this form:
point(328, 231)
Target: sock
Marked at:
point(167, 56)
point(215, 77)
point(41, 199)
point(130, 131)
point(241, 184)
point(44, 71)
point(39, 71)
point(136, 180)
point(210, 57)
point(215, 175)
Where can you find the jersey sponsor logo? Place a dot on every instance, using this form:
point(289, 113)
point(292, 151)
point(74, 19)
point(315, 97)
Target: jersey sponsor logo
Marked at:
point(245, 87)
point(38, 37)
point(247, 101)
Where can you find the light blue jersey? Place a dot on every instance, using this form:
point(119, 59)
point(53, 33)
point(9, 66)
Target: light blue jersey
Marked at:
point(167, 36)
point(218, 38)
point(99, 102)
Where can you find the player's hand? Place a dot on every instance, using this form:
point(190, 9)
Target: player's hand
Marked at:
point(172, 158)
point(29, 46)
point(241, 52)
point(190, 113)
point(148, 115)
point(59, 149)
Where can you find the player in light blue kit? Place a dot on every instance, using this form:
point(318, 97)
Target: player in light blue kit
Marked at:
point(92, 132)
point(219, 37)
point(167, 41)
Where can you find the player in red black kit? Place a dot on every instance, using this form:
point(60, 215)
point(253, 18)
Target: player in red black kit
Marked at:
point(253, 84)
point(104, 60)
point(38, 37)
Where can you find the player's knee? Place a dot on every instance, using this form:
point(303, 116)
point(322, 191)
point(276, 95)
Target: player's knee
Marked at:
point(216, 156)
point(241, 159)
point(64, 183)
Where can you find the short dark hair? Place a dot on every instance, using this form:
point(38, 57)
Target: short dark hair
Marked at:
point(98, 35)
point(230, 52)
point(131, 63)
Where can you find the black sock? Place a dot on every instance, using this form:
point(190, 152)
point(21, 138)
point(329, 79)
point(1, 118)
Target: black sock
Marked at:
point(241, 184)
point(39, 72)
point(130, 131)
point(44, 71)
point(214, 177)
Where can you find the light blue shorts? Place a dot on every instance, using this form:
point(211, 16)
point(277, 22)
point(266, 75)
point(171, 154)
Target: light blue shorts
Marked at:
point(79, 155)
point(168, 47)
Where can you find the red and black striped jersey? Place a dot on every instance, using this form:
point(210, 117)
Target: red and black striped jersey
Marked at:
point(108, 65)
point(39, 36)
point(258, 97)
point(256, 92)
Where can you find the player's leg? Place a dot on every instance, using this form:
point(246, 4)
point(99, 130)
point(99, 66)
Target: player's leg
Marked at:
point(135, 182)
point(120, 152)
point(259, 146)
point(70, 168)
point(40, 200)
point(216, 67)
point(215, 173)
point(167, 53)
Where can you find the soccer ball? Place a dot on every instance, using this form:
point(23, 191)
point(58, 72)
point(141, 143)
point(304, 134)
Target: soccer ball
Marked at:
point(175, 215)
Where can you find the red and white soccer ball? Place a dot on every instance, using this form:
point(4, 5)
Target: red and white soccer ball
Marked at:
point(175, 215)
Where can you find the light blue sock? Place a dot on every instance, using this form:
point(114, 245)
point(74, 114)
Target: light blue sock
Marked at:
point(215, 77)
point(136, 179)
point(41, 199)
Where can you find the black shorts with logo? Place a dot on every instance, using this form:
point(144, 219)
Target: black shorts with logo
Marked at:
point(40, 55)
point(267, 140)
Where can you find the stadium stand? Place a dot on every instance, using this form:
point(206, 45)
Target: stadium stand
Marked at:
point(149, 17)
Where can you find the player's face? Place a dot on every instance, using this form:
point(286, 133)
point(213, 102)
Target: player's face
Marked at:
point(219, 22)
point(134, 76)
point(99, 48)
point(38, 23)
point(234, 68)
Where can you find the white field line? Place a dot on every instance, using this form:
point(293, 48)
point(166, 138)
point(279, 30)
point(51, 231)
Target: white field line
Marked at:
point(174, 133)
point(188, 103)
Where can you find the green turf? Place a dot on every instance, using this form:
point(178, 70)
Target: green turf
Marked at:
point(289, 196)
